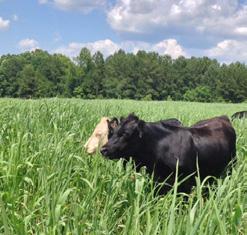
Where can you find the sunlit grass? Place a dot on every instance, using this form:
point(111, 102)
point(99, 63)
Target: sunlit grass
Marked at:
point(49, 185)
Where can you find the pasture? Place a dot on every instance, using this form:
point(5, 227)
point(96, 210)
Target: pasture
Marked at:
point(49, 185)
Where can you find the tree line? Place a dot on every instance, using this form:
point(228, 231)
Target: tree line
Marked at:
point(141, 76)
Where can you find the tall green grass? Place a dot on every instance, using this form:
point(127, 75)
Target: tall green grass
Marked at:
point(49, 185)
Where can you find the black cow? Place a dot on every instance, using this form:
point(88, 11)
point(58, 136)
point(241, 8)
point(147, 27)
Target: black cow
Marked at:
point(160, 147)
point(240, 115)
point(114, 122)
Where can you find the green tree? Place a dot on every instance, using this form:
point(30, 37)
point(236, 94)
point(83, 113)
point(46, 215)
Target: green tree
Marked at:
point(144, 75)
point(28, 83)
point(199, 94)
point(10, 66)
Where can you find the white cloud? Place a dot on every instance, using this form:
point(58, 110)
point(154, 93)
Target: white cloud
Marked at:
point(170, 47)
point(229, 51)
point(82, 5)
point(28, 44)
point(4, 24)
point(108, 47)
point(225, 51)
point(188, 18)
point(216, 7)
point(241, 30)
point(165, 47)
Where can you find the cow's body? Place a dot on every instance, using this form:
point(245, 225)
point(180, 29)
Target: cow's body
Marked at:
point(160, 147)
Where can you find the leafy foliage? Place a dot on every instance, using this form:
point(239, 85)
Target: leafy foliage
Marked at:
point(140, 76)
point(200, 93)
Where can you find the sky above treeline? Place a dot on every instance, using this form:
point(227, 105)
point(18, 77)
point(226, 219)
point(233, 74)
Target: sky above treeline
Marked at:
point(213, 28)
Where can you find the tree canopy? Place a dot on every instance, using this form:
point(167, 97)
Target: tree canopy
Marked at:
point(141, 76)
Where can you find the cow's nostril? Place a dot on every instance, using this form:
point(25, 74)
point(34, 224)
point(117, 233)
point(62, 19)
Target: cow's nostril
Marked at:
point(103, 151)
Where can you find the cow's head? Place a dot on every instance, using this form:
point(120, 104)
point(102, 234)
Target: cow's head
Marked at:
point(102, 132)
point(99, 136)
point(125, 139)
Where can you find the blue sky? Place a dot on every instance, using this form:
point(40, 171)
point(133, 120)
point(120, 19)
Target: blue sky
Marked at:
point(214, 28)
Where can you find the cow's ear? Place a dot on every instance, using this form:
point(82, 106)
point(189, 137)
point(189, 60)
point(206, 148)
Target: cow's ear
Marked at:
point(140, 128)
point(132, 116)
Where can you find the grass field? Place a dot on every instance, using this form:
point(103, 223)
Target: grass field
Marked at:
point(49, 185)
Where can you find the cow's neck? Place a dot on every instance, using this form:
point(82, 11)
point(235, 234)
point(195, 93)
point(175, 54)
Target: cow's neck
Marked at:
point(146, 153)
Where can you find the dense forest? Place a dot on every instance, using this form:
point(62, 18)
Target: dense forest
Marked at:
point(141, 76)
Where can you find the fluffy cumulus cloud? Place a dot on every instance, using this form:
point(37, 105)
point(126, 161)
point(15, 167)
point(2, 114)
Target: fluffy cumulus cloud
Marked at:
point(180, 17)
point(81, 5)
point(28, 44)
point(4, 24)
point(170, 47)
point(108, 47)
point(165, 47)
point(228, 51)
point(214, 28)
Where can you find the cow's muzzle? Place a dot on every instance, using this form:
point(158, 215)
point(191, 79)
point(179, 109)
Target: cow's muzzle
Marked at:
point(104, 151)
